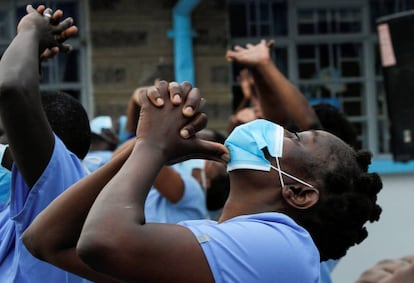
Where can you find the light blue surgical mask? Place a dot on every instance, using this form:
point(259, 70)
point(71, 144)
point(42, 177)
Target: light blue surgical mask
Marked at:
point(246, 143)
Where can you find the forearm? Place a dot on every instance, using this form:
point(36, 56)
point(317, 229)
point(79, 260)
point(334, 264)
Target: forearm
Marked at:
point(118, 211)
point(20, 106)
point(269, 87)
point(276, 92)
point(19, 62)
point(119, 208)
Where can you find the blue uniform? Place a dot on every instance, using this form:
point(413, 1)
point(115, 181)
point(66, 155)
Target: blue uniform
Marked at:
point(96, 159)
point(17, 265)
point(326, 269)
point(191, 206)
point(265, 247)
point(5, 180)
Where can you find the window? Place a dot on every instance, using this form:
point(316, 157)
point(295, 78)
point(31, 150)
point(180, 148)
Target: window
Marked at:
point(329, 20)
point(64, 71)
point(258, 18)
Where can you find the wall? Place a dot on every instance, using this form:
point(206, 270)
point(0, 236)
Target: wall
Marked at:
point(391, 237)
point(130, 48)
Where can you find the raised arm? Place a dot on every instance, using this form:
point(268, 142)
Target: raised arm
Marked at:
point(24, 121)
point(279, 99)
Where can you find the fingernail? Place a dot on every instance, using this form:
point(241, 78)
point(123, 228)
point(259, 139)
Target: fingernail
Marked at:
point(177, 98)
point(225, 157)
point(188, 111)
point(184, 133)
point(159, 101)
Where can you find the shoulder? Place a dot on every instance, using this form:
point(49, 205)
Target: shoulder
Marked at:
point(268, 244)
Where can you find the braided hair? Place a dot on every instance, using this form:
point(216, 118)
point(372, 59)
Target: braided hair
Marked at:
point(347, 201)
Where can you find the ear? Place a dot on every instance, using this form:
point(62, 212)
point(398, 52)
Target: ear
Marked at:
point(300, 197)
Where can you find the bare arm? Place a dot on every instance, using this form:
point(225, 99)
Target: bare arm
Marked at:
point(20, 104)
point(170, 184)
point(247, 86)
point(279, 99)
point(168, 181)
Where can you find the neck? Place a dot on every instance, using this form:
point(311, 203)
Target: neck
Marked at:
point(250, 196)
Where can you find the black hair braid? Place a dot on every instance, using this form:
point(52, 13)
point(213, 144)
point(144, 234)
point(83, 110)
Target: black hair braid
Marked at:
point(337, 221)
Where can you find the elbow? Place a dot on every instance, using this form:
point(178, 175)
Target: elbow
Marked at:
point(6, 88)
point(45, 245)
point(95, 250)
point(33, 243)
point(9, 88)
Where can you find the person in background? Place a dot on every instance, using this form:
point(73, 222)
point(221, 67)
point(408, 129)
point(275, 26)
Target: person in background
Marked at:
point(104, 141)
point(249, 108)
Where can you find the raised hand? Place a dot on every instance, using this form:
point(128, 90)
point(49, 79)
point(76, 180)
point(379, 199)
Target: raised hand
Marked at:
point(52, 32)
point(251, 55)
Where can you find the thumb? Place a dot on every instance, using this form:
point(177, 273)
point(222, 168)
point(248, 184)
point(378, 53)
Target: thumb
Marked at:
point(212, 151)
point(30, 9)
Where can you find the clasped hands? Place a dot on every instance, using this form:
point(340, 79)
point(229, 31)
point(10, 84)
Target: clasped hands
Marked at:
point(169, 119)
point(51, 30)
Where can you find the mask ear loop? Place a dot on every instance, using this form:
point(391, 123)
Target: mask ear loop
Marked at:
point(290, 176)
point(282, 184)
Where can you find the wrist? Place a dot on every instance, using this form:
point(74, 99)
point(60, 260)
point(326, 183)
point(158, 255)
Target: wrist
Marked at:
point(264, 64)
point(147, 147)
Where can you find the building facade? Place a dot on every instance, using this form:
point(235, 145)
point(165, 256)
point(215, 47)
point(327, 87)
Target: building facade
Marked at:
point(328, 48)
